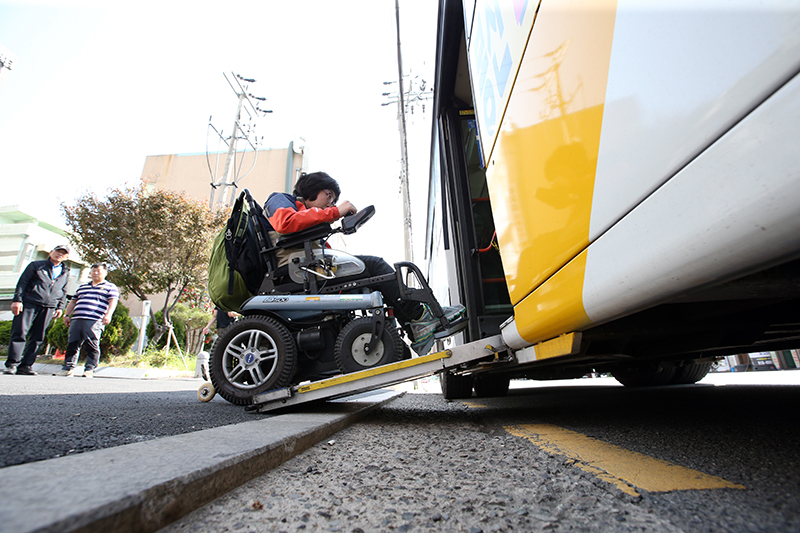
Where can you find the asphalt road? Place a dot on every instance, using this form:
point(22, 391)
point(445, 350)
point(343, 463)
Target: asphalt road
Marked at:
point(423, 464)
point(45, 416)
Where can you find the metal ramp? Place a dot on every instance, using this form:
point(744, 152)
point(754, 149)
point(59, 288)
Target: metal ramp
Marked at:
point(375, 378)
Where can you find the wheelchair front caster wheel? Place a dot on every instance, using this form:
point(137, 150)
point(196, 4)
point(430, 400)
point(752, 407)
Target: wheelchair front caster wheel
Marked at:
point(206, 392)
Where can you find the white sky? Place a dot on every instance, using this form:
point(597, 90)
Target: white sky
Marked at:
point(97, 86)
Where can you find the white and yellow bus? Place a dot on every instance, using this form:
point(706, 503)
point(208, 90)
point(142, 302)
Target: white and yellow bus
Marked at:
point(615, 185)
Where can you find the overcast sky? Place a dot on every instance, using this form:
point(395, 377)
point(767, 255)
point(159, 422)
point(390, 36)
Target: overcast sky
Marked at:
point(97, 86)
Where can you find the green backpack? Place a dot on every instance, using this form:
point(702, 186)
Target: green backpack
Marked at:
point(219, 278)
point(240, 255)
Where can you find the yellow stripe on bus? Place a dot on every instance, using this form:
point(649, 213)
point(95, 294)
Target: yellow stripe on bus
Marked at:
point(623, 468)
point(355, 376)
point(567, 344)
point(543, 167)
point(556, 306)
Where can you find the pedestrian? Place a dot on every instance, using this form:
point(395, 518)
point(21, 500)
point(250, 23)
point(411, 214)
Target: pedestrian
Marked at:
point(222, 319)
point(39, 297)
point(87, 314)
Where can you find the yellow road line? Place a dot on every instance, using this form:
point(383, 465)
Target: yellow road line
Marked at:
point(475, 405)
point(623, 468)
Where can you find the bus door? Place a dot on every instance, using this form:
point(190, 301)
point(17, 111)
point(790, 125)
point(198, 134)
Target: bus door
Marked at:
point(480, 270)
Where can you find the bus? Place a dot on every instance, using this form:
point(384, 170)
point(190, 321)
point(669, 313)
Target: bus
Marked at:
point(615, 185)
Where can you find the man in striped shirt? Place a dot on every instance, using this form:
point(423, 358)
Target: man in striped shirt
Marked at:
point(87, 314)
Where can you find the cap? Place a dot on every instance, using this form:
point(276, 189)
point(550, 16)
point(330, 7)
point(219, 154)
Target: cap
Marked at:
point(64, 247)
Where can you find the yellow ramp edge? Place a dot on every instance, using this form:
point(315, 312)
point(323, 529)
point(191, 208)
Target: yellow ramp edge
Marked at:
point(355, 376)
point(618, 466)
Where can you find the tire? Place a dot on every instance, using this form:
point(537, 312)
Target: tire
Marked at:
point(253, 355)
point(455, 387)
point(643, 375)
point(690, 373)
point(489, 386)
point(349, 350)
point(206, 392)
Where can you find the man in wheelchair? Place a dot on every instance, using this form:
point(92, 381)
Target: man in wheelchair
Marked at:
point(319, 312)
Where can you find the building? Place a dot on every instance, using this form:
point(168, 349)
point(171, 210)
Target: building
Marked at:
point(25, 237)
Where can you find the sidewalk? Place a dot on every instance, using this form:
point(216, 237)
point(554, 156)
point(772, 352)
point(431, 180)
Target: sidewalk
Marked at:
point(123, 373)
point(117, 372)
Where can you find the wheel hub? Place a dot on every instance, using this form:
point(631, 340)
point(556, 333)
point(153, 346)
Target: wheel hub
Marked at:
point(249, 358)
point(360, 354)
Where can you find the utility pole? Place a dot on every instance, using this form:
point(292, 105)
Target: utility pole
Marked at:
point(405, 101)
point(227, 171)
point(229, 178)
point(405, 193)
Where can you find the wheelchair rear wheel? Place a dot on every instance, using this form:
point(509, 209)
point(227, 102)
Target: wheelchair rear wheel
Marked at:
point(253, 355)
point(354, 337)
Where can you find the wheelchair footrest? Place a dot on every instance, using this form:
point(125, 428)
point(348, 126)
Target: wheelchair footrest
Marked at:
point(453, 328)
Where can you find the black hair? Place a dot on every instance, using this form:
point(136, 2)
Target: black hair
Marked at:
point(103, 265)
point(308, 186)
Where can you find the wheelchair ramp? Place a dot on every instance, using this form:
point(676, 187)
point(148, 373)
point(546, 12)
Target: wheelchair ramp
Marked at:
point(375, 378)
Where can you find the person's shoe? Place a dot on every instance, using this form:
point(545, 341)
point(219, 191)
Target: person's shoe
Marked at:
point(10, 370)
point(424, 346)
point(26, 371)
point(67, 373)
point(88, 373)
point(427, 325)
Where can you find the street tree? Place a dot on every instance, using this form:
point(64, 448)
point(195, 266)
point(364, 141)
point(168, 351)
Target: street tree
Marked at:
point(154, 241)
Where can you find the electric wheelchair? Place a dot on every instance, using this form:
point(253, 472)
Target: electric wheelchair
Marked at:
point(314, 317)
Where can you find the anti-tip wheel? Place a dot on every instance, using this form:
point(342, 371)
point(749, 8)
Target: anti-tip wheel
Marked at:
point(206, 392)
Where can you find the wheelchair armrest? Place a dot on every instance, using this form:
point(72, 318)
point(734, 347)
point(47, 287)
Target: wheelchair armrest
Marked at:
point(320, 231)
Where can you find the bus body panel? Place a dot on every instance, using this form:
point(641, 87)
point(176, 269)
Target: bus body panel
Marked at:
point(731, 211)
point(681, 75)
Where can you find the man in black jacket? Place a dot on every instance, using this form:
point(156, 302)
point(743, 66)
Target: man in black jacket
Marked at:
point(40, 296)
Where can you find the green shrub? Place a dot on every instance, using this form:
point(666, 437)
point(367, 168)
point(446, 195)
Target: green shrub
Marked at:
point(57, 334)
point(120, 334)
point(192, 317)
point(5, 332)
point(159, 358)
point(179, 327)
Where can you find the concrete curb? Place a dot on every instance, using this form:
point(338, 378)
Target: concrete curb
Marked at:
point(145, 486)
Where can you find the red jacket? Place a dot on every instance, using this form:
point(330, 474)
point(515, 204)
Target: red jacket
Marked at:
point(286, 214)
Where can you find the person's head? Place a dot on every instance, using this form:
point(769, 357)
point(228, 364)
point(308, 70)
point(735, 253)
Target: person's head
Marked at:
point(59, 253)
point(311, 186)
point(98, 272)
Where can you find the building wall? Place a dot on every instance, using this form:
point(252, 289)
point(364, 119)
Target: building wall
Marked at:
point(26, 237)
point(261, 172)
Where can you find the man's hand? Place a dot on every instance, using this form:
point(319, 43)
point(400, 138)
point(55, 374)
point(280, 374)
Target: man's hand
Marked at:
point(57, 313)
point(107, 320)
point(346, 208)
point(66, 320)
point(206, 330)
point(16, 308)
